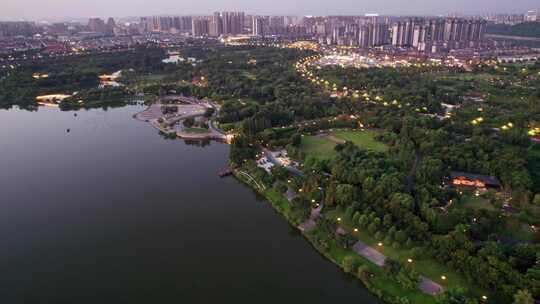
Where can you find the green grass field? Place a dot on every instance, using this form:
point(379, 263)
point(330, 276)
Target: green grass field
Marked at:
point(363, 139)
point(322, 147)
point(319, 147)
point(196, 130)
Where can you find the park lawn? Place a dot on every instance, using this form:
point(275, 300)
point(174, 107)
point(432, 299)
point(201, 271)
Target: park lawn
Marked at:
point(196, 130)
point(278, 201)
point(427, 267)
point(322, 147)
point(318, 147)
point(362, 139)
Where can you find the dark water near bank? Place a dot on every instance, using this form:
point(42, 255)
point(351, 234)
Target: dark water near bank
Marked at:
point(112, 213)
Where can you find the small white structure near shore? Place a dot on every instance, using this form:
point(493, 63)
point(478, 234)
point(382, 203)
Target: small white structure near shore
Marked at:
point(265, 163)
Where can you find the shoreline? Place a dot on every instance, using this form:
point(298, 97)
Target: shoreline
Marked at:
point(366, 283)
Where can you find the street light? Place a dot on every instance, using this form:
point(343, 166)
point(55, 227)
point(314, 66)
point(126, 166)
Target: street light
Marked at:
point(443, 277)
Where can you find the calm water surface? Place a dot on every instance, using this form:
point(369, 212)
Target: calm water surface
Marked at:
point(112, 213)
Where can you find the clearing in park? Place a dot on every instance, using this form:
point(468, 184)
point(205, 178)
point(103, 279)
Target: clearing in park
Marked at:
point(322, 146)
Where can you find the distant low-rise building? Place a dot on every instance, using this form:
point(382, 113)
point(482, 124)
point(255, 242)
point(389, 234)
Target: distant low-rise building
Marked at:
point(478, 181)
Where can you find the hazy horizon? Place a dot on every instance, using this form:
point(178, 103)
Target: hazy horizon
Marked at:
point(36, 10)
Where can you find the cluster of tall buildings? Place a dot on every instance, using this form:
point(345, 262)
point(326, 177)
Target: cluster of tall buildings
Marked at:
point(220, 23)
point(432, 34)
point(98, 25)
point(174, 24)
point(227, 23)
point(238, 23)
point(275, 25)
point(359, 31)
point(513, 19)
point(12, 29)
point(421, 34)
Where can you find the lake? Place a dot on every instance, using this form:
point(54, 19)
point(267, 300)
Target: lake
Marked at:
point(110, 212)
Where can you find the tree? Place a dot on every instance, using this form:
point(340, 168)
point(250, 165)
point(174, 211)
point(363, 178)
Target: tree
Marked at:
point(372, 228)
point(391, 267)
point(280, 187)
point(363, 272)
point(296, 140)
point(363, 221)
point(408, 279)
point(209, 112)
point(356, 216)
point(345, 194)
point(189, 122)
point(280, 172)
point(536, 199)
point(349, 264)
point(456, 295)
point(387, 220)
point(241, 150)
point(523, 297)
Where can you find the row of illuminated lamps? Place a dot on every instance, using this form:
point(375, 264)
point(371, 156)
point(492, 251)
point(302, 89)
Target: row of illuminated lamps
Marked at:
point(301, 67)
point(380, 244)
point(410, 260)
point(505, 127)
point(522, 70)
point(534, 132)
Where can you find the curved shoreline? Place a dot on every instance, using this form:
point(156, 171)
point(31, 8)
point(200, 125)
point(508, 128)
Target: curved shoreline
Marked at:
point(152, 115)
point(384, 297)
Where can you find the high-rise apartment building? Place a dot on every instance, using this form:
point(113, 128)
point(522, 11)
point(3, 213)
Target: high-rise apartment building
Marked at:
point(453, 32)
point(17, 28)
point(227, 23)
point(258, 26)
point(531, 16)
point(200, 26)
point(97, 25)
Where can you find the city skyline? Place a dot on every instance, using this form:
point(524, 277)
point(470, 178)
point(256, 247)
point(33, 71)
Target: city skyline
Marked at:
point(65, 10)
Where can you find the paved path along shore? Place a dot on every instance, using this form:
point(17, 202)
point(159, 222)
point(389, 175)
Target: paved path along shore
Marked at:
point(369, 253)
point(426, 285)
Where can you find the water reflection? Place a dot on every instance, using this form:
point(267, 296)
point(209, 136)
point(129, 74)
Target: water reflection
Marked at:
point(112, 213)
